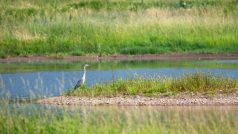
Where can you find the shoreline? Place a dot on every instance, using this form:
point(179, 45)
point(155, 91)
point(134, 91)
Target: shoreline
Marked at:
point(217, 100)
point(173, 56)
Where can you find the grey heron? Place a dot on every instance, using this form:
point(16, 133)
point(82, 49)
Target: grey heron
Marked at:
point(82, 80)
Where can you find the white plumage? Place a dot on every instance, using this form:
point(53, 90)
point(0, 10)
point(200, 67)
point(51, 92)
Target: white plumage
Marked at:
point(82, 80)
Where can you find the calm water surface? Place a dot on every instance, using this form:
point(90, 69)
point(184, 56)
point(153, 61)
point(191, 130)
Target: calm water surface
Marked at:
point(42, 79)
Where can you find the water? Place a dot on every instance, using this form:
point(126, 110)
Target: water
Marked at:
point(43, 79)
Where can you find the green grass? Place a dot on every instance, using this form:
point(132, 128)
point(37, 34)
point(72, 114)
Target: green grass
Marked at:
point(20, 119)
point(200, 83)
point(102, 27)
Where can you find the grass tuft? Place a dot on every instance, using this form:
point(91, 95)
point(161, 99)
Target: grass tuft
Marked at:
point(196, 83)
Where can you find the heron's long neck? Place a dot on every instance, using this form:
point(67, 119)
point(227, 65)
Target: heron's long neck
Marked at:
point(84, 72)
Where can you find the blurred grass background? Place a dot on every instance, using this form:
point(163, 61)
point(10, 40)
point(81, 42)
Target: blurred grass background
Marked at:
point(104, 27)
point(22, 118)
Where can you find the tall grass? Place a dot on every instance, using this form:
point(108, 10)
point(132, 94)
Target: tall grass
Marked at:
point(200, 83)
point(22, 119)
point(112, 27)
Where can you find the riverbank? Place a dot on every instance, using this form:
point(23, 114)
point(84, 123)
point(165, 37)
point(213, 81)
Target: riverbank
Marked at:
point(144, 101)
point(102, 27)
point(172, 56)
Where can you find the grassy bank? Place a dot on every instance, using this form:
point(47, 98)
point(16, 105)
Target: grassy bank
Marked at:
point(111, 27)
point(189, 83)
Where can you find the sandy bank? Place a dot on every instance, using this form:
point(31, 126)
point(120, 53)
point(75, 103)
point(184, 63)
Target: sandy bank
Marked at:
point(141, 100)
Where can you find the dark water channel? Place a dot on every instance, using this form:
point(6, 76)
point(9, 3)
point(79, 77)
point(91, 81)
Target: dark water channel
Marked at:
point(42, 79)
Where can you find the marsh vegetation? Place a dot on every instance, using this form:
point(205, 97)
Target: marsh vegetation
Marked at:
point(189, 83)
point(23, 118)
point(102, 27)
point(105, 27)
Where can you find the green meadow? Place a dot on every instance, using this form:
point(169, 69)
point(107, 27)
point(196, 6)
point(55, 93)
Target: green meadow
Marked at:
point(105, 27)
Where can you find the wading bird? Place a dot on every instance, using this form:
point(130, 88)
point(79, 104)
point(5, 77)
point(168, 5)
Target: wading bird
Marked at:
point(82, 80)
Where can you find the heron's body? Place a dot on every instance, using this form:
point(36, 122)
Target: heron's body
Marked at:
point(82, 80)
